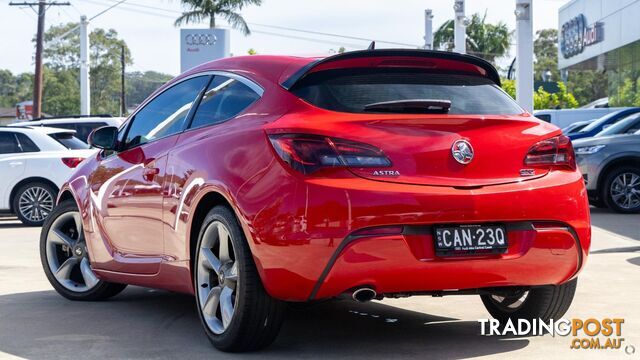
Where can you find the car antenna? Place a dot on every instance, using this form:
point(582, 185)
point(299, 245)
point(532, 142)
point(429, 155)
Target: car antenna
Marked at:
point(372, 46)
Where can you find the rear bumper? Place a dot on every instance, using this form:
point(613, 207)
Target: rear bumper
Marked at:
point(549, 253)
point(304, 248)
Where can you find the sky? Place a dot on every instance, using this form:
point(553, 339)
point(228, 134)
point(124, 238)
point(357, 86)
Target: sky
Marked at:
point(147, 26)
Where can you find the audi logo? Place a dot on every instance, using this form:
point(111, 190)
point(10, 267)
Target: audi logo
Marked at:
point(572, 36)
point(576, 34)
point(200, 39)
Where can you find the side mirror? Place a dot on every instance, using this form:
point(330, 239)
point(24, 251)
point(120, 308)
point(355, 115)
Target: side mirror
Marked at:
point(104, 138)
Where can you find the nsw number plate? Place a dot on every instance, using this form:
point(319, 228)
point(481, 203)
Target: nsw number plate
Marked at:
point(470, 239)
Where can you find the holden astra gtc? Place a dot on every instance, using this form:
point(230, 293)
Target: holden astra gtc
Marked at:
point(254, 181)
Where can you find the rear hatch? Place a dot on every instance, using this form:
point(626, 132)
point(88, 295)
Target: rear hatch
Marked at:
point(361, 99)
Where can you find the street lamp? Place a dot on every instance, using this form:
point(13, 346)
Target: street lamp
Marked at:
point(460, 25)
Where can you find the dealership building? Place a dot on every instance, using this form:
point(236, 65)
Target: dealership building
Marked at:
point(603, 35)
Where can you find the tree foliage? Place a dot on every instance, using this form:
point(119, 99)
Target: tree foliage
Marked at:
point(485, 40)
point(202, 10)
point(62, 59)
point(61, 88)
point(543, 99)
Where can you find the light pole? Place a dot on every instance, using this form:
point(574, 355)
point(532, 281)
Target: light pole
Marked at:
point(524, 54)
point(428, 29)
point(85, 93)
point(460, 25)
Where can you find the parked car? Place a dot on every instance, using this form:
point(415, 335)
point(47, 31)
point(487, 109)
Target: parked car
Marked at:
point(628, 125)
point(34, 163)
point(83, 125)
point(576, 126)
point(600, 103)
point(565, 117)
point(611, 169)
point(249, 181)
point(603, 123)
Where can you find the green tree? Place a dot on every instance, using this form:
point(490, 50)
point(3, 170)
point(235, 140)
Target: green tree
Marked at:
point(14, 89)
point(545, 48)
point(201, 10)
point(485, 40)
point(141, 84)
point(62, 57)
point(544, 100)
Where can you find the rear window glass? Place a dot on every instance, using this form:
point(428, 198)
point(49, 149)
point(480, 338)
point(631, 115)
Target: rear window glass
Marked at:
point(69, 141)
point(350, 90)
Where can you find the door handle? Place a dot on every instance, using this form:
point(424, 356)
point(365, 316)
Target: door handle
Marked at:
point(149, 173)
point(15, 163)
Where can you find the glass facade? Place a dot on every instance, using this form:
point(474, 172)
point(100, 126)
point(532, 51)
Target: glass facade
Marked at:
point(623, 74)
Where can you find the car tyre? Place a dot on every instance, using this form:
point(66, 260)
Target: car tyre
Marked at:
point(33, 202)
point(614, 189)
point(249, 319)
point(545, 303)
point(68, 271)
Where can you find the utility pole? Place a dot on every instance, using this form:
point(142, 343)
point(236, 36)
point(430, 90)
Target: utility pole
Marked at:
point(123, 104)
point(85, 91)
point(460, 28)
point(428, 29)
point(524, 54)
point(43, 6)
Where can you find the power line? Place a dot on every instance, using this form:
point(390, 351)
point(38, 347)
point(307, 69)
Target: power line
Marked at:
point(368, 40)
point(107, 9)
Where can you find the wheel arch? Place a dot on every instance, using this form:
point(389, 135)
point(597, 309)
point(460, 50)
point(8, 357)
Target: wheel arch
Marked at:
point(209, 199)
point(627, 160)
point(25, 181)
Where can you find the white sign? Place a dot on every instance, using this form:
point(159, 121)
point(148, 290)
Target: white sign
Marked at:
point(198, 46)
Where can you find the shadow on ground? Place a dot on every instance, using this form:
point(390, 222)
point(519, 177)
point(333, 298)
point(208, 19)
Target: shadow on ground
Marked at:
point(616, 223)
point(10, 222)
point(142, 323)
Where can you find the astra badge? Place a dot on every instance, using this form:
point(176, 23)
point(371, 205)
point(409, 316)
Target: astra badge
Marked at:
point(462, 151)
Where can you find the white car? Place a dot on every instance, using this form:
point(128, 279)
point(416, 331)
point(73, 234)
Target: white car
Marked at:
point(34, 163)
point(83, 125)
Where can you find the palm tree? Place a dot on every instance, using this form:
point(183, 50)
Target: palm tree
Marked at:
point(199, 10)
point(488, 41)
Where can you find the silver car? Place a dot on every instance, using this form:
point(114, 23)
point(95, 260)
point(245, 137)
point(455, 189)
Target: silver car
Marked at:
point(611, 169)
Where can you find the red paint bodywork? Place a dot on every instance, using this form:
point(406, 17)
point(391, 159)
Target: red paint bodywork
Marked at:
point(139, 206)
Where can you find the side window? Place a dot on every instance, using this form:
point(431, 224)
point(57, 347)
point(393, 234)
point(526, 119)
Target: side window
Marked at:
point(224, 99)
point(26, 144)
point(8, 143)
point(164, 115)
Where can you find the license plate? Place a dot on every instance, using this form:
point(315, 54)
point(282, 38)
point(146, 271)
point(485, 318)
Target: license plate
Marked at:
point(470, 240)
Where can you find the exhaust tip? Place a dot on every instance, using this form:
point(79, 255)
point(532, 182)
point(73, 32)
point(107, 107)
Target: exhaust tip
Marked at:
point(363, 295)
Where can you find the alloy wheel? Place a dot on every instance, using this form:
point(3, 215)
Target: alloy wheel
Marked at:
point(625, 190)
point(35, 203)
point(66, 253)
point(217, 277)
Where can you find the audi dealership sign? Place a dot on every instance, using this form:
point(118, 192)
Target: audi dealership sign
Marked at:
point(576, 34)
point(198, 46)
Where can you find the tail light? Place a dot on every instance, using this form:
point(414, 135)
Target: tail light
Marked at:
point(309, 153)
point(72, 162)
point(554, 152)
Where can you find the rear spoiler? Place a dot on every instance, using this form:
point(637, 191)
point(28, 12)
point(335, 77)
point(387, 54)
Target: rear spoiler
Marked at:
point(455, 62)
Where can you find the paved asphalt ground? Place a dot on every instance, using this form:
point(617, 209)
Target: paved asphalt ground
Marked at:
point(140, 323)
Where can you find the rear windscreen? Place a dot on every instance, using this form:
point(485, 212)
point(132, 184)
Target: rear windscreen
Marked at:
point(350, 90)
point(69, 141)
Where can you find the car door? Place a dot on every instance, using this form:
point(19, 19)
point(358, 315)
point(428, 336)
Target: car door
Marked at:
point(127, 185)
point(196, 155)
point(12, 166)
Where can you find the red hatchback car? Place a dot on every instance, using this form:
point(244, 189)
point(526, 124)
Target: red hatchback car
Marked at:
point(255, 181)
